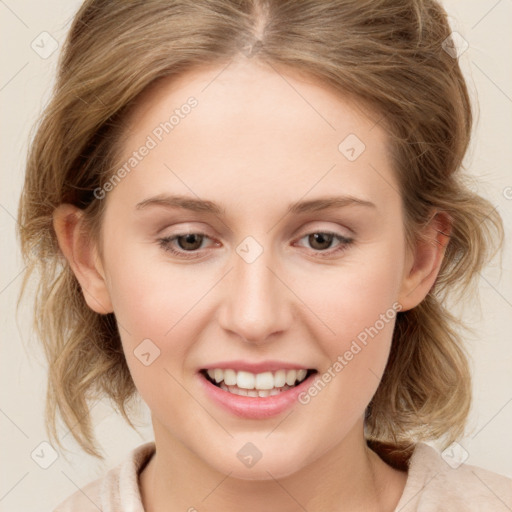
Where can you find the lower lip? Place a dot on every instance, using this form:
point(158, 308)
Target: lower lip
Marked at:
point(255, 407)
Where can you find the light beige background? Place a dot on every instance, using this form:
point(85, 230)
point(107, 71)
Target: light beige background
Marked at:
point(25, 80)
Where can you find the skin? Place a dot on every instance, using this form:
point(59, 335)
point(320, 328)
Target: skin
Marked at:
point(254, 145)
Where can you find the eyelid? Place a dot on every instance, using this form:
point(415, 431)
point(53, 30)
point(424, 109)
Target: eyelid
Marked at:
point(319, 227)
point(325, 232)
point(305, 231)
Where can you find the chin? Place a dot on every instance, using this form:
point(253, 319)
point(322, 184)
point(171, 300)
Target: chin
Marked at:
point(273, 462)
point(272, 470)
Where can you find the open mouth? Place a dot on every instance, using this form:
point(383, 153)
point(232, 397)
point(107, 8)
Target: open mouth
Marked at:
point(256, 385)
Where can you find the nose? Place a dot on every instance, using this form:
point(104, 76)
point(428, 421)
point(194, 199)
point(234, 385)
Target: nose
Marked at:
point(256, 301)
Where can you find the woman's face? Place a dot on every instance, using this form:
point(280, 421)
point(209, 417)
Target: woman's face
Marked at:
point(295, 259)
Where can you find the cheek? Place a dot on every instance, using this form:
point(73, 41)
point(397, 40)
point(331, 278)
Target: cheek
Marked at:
point(356, 356)
point(150, 298)
point(353, 297)
point(156, 310)
point(357, 305)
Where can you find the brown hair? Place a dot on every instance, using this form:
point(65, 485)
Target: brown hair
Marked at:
point(388, 55)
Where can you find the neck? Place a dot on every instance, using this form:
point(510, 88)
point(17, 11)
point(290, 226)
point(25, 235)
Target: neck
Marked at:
point(349, 477)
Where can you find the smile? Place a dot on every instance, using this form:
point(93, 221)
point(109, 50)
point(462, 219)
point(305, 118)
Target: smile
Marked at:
point(255, 389)
point(250, 384)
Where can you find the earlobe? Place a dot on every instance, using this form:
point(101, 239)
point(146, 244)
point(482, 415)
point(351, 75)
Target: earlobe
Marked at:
point(423, 266)
point(79, 249)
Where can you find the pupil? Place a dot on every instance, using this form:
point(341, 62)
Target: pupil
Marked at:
point(189, 239)
point(321, 238)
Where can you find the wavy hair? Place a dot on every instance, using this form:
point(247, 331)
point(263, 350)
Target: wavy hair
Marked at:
point(387, 55)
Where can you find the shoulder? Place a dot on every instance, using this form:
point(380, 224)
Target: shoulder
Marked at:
point(117, 490)
point(440, 483)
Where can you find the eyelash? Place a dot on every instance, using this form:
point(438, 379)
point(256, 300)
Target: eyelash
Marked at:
point(165, 244)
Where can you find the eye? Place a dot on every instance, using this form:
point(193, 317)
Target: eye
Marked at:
point(190, 243)
point(187, 243)
point(320, 241)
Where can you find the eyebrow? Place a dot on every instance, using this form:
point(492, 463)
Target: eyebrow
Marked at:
point(205, 206)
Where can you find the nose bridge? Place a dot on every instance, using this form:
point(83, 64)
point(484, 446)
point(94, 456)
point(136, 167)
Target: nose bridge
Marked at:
point(255, 303)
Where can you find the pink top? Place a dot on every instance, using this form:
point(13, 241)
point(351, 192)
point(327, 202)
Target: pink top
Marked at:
point(432, 485)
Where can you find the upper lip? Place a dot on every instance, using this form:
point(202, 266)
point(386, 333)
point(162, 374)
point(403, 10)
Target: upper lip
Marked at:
point(262, 366)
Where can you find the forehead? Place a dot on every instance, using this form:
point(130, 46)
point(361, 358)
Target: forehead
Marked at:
point(259, 130)
point(250, 91)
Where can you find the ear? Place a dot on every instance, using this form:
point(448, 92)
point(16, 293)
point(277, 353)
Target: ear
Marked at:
point(423, 264)
point(81, 253)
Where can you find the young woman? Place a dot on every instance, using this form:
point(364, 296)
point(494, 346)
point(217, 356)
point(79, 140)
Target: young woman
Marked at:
point(250, 213)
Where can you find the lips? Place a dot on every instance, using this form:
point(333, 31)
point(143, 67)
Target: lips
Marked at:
point(255, 403)
point(255, 390)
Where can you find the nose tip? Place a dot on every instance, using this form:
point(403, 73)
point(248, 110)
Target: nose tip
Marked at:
point(254, 303)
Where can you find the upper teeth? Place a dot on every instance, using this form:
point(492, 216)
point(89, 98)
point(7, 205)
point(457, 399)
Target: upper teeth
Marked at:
point(265, 380)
